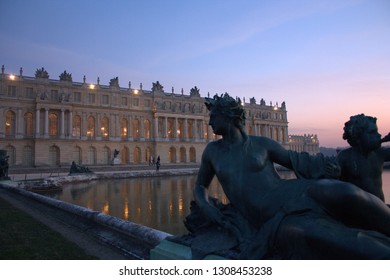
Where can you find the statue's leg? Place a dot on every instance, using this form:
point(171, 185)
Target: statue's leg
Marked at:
point(352, 205)
point(315, 237)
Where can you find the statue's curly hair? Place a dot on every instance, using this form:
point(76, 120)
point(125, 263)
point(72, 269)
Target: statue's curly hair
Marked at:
point(355, 127)
point(227, 106)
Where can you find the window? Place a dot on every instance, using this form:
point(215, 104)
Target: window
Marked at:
point(124, 101)
point(11, 91)
point(10, 124)
point(54, 95)
point(136, 128)
point(76, 127)
point(136, 102)
point(105, 128)
point(53, 124)
point(28, 124)
point(147, 129)
point(147, 103)
point(29, 92)
point(105, 99)
point(91, 98)
point(91, 127)
point(77, 96)
point(124, 124)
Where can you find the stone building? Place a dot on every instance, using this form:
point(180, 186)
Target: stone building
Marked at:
point(52, 122)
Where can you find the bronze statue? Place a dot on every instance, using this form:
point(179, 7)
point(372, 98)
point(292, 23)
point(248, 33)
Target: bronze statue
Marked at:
point(311, 217)
point(362, 163)
point(78, 169)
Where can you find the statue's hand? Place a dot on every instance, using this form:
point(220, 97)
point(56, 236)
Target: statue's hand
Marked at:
point(333, 170)
point(217, 217)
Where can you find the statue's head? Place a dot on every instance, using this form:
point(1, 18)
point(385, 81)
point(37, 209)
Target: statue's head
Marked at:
point(228, 107)
point(356, 127)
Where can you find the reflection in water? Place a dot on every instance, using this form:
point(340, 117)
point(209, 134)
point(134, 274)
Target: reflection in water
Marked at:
point(157, 202)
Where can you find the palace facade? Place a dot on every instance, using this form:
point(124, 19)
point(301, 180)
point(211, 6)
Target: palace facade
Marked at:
point(49, 122)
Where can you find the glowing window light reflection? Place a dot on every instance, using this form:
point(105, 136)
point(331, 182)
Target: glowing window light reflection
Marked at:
point(106, 208)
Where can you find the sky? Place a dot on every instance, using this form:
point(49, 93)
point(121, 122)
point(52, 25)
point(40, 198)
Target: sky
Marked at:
point(327, 60)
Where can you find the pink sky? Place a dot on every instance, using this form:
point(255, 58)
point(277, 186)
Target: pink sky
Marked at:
point(327, 59)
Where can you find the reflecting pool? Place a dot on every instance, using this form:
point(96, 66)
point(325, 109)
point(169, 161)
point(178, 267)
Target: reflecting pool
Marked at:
point(157, 202)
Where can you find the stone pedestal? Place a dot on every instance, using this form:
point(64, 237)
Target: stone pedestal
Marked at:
point(168, 250)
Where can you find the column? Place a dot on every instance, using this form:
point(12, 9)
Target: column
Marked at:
point(46, 131)
point(142, 128)
point(98, 131)
point(70, 125)
point(62, 128)
point(19, 124)
point(185, 130)
point(155, 127)
point(166, 136)
point(176, 127)
point(129, 128)
point(37, 118)
point(84, 126)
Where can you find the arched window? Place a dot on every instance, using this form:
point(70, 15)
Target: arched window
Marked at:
point(54, 156)
point(124, 125)
point(137, 155)
point(147, 129)
point(28, 156)
point(183, 156)
point(171, 129)
point(190, 127)
point(106, 155)
point(148, 154)
point(28, 125)
point(180, 129)
point(172, 155)
point(105, 129)
point(91, 127)
point(76, 127)
point(192, 154)
point(136, 128)
point(77, 155)
point(92, 155)
point(10, 124)
point(125, 155)
point(53, 124)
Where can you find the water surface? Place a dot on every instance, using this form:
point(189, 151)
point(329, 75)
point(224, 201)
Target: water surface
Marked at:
point(157, 202)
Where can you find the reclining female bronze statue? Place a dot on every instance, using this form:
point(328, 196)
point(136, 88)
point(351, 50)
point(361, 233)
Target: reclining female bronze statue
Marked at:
point(268, 217)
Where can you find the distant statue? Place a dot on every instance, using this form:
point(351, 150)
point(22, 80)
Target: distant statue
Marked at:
point(362, 163)
point(311, 217)
point(41, 73)
point(4, 165)
point(66, 77)
point(116, 160)
point(78, 169)
point(157, 87)
point(116, 153)
point(194, 92)
point(252, 100)
point(114, 82)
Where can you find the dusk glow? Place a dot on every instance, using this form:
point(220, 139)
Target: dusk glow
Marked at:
point(327, 60)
